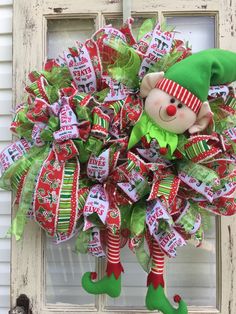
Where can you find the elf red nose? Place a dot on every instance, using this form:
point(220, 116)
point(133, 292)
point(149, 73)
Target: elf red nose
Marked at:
point(171, 110)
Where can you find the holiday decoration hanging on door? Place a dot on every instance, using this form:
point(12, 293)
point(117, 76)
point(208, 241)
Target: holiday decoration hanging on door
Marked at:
point(122, 141)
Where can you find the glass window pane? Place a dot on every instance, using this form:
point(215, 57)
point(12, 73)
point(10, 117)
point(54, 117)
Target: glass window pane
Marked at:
point(192, 274)
point(198, 30)
point(117, 22)
point(64, 268)
point(63, 33)
point(134, 281)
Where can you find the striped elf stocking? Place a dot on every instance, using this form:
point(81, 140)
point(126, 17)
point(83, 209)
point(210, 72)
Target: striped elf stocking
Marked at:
point(156, 298)
point(113, 254)
point(110, 284)
point(158, 260)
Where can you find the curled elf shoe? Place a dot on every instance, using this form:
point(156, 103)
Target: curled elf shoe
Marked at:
point(109, 285)
point(157, 300)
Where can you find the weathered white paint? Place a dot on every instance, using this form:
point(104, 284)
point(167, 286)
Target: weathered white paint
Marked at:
point(5, 138)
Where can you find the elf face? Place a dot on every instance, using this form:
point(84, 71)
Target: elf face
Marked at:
point(168, 112)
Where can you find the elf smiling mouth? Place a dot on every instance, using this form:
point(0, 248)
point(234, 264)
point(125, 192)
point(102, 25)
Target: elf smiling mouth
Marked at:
point(164, 119)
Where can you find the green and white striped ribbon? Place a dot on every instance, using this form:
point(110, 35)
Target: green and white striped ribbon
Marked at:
point(196, 149)
point(165, 186)
point(64, 213)
point(231, 102)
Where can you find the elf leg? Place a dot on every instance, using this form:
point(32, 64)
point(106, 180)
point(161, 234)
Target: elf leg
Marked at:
point(156, 298)
point(111, 282)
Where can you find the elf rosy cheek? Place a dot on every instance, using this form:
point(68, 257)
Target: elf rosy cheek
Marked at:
point(181, 115)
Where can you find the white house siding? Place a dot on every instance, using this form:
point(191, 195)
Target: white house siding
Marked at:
point(5, 138)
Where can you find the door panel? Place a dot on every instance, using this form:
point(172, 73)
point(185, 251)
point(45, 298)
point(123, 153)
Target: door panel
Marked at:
point(52, 26)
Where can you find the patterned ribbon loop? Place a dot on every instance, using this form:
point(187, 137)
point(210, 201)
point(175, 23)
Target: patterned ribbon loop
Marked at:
point(99, 167)
point(107, 54)
point(230, 104)
point(126, 29)
point(142, 45)
point(95, 245)
point(97, 202)
point(115, 196)
point(198, 186)
point(198, 148)
point(12, 153)
point(70, 93)
point(154, 212)
point(117, 90)
point(135, 243)
point(189, 220)
point(67, 116)
point(55, 203)
point(101, 122)
point(38, 88)
point(224, 205)
point(65, 151)
point(84, 64)
point(133, 177)
point(39, 111)
point(130, 111)
point(160, 45)
point(231, 133)
point(50, 64)
point(166, 187)
point(113, 219)
point(68, 122)
point(169, 240)
point(47, 191)
point(36, 133)
point(216, 92)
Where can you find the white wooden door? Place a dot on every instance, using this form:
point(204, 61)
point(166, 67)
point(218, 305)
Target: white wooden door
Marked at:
point(49, 275)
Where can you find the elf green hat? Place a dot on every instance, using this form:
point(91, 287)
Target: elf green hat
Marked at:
point(189, 80)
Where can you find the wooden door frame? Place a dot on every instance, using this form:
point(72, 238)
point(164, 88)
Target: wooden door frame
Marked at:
point(29, 37)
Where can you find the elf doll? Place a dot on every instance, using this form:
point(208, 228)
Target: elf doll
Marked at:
point(176, 102)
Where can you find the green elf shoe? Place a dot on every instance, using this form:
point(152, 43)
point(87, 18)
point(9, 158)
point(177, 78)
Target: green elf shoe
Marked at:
point(109, 284)
point(157, 300)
